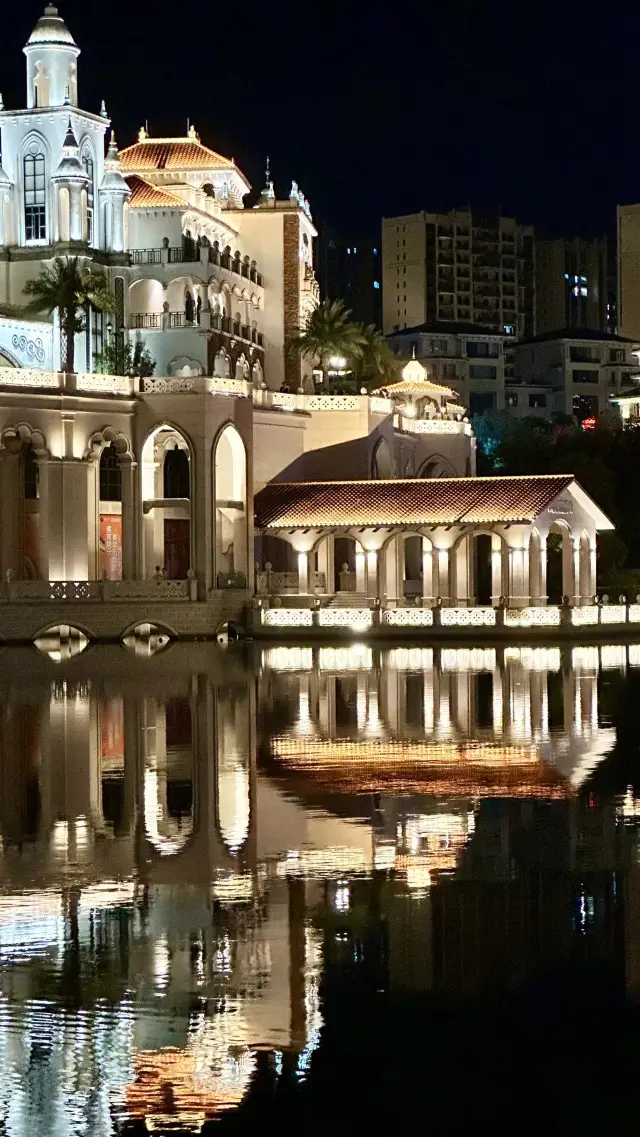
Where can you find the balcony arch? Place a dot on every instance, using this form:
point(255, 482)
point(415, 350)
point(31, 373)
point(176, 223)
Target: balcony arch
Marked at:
point(167, 494)
point(230, 508)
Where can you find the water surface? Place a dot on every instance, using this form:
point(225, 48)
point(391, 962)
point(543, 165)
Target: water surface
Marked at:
point(337, 888)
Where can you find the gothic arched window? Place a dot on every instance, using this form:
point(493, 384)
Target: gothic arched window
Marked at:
point(35, 208)
point(110, 475)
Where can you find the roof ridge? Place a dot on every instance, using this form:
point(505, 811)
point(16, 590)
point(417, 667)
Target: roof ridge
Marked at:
point(411, 481)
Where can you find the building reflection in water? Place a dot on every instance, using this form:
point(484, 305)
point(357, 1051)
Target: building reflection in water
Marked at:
point(194, 849)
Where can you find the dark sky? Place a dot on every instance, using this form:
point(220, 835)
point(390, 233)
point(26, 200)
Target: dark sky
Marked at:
point(377, 110)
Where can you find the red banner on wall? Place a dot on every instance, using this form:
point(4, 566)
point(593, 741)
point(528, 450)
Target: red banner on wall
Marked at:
point(111, 545)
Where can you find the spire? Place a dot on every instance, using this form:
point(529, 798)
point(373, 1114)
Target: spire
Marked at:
point(103, 110)
point(70, 165)
point(1, 102)
point(51, 29)
point(267, 195)
point(113, 181)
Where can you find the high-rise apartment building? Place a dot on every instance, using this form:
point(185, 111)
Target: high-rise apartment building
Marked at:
point(463, 266)
point(629, 271)
point(575, 286)
point(349, 269)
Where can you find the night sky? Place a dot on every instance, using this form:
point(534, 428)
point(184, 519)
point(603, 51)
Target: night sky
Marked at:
point(531, 108)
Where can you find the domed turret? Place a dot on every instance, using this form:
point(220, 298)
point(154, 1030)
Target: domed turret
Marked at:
point(71, 182)
point(52, 69)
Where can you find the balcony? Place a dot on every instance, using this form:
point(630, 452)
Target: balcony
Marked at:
point(169, 321)
point(191, 254)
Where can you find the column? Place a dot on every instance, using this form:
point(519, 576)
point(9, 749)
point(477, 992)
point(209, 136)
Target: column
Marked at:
point(11, 498)
point(303, 573)
point(542, 593)
point(462, 573)
point(441, 573)
point(326, 558)
point(427, 569)
point(373, 588)
point(518, 577)
point(129, 478)
point(571, 567)
point(593, 577)
point(497, 586)
point(361, 571)
point(68, 519)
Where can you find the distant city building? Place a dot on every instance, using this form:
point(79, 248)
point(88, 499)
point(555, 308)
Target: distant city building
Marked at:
point(462, 266)
point(629, 270)
point(575, 285)
point(350, 270)
point(478, 365)
point(581, 371)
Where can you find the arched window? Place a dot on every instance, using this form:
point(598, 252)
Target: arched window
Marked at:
point(110, 475)
point(87, 165)
point(35, 209)
point(189, 307)
point(176, 473)
point(30, 475)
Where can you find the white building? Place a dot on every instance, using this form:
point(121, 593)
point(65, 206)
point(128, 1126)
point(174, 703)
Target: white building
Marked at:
point(581, 370)
point(199, 277)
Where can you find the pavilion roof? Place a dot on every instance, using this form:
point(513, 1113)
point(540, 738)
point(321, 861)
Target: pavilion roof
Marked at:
point(423, 389)
point(146, 196)
point(410, 501)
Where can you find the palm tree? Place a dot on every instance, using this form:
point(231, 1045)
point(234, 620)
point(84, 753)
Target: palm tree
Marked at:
point(327, 333)
point(375, 363)
point(70, 288)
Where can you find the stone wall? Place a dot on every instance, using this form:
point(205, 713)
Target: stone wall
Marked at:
point(291, 272)
point(22, 622)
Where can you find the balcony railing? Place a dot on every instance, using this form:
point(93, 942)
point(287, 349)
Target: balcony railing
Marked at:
point(190, 254)
point(146, 320)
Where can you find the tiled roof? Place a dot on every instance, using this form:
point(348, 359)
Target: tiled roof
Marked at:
point(461, 769)
point(146, 196)
point(172, 154)
point(406, 501)
point(417, 390)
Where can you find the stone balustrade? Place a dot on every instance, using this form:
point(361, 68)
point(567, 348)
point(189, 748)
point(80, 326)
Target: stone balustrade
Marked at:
point(431, 425)
point(107, 591)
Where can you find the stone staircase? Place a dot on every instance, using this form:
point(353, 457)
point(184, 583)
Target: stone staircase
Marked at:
point(349, 600)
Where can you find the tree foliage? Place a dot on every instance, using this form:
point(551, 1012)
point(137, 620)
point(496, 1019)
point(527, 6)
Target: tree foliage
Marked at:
point(605, 461)
point(329, 332)
point(70, 288)
point(125, 359)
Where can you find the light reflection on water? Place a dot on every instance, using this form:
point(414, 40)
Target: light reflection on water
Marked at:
point(197, 845)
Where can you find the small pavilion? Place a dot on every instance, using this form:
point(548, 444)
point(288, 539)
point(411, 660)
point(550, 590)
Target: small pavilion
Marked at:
point(463, 541)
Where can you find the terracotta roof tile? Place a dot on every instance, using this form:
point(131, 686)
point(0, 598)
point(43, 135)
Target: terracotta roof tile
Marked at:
point(410, 501)
point(423, 390)
point(146, 196)
point(172, 154)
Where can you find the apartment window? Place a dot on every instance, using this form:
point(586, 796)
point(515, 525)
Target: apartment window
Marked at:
point(35, 210)
point(583, 354)
point(479, 350)
point(482, 371)
point(581, 375)
point(511, 398)
point(438, 346)
point(480, 402)
point(537, 402)
point(616, 355)
point(585, 406)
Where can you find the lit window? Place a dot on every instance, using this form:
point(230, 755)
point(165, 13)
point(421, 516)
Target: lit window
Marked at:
point(583, 291)
point(376, 284)
point(35, 214)
point(375, 252)
point(87, 163)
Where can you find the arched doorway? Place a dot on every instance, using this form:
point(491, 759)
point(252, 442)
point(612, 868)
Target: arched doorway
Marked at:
point(230, 521)
point(166, 504)
point(436, 467)
point(560, 581)
point(110, 521)
point(482, 569)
